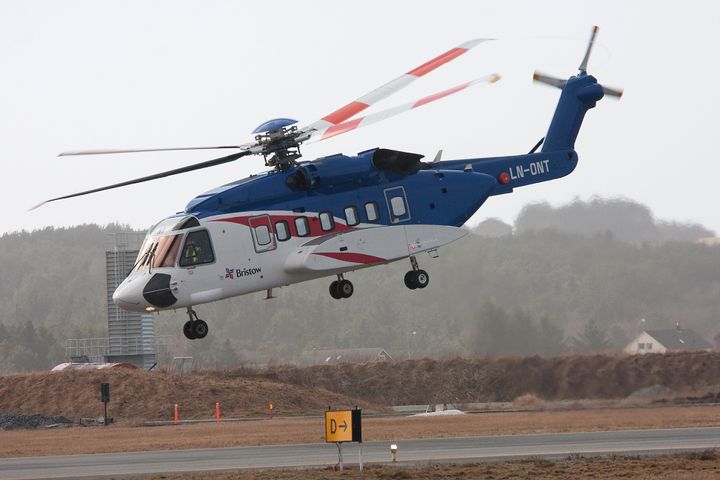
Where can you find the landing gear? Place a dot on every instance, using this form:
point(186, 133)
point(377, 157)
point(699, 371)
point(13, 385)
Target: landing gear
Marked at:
point(341, 288)
point(195, 328)
point(416, 278)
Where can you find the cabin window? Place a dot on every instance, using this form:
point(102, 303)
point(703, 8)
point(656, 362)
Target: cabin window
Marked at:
point(302, 227)
point(262, 234)
point(282, 230)
point(398, 206)
point(351, 216)
point(197, 249)
point(327, 221)
point(372, 212)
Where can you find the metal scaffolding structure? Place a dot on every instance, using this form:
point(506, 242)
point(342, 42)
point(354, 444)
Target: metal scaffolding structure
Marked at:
point(131, 335)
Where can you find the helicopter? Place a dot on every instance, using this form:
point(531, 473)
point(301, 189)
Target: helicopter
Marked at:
point(302, 220)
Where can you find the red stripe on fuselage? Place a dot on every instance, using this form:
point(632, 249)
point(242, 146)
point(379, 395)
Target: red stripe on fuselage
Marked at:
point(351, 257)
point(313, 223)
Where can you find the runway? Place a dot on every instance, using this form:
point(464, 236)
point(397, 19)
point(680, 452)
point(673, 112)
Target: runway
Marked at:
point(468, 449)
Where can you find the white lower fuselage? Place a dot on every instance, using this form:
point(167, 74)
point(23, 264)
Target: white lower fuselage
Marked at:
point(245, 261)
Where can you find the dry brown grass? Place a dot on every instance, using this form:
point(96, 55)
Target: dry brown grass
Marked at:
point(137, 396)
point(282, 431)
point(676, 467)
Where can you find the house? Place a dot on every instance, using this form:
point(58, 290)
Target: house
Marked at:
point(670, 340)
point(344, 355)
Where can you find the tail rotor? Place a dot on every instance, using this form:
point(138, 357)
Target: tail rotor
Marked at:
point(560, 83)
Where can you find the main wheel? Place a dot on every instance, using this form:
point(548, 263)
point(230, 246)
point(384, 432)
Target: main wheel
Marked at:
point(410, 280)
point(346, 288)
point(187, 330)
point(335, 290)
point(422, 278)
point(199, 328)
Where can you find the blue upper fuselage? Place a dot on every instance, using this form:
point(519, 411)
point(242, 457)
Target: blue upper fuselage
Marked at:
point(441, 193)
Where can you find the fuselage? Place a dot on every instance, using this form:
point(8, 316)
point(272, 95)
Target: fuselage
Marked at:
point(321, 218)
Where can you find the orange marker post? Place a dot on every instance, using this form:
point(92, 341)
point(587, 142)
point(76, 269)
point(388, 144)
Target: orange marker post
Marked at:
point(177, 415)
point(217, 412)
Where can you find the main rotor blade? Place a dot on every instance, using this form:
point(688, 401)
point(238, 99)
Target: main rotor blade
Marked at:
point(583, 64)
point(189, 168)
point(104, 152)
point(384, 91)
point(341, 128)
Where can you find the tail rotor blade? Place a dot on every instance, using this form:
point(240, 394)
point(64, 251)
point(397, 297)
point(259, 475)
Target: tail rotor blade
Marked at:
point(613, 92)
point(583, 64)
point(549, 80)
point(189, 168)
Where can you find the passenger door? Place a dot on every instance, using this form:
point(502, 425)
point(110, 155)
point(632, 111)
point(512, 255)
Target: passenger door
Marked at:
point(397, 204)
point(262, 233)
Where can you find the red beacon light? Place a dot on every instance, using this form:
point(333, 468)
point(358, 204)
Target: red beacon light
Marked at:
point(504, 178)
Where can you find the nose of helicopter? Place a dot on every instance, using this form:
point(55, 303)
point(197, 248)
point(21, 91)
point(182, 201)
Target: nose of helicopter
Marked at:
point(140, 294)
point(128, 295)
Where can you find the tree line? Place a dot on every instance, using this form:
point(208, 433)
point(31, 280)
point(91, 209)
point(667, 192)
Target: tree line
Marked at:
point(515, 290)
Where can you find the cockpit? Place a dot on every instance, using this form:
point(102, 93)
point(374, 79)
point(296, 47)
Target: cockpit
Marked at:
point(175, 241)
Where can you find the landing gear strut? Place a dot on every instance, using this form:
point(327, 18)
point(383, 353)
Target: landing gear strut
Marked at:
point(341, 288)
point(416, 278)
point(194, 328)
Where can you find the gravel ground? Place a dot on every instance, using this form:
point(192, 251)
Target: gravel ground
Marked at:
point(10, 421)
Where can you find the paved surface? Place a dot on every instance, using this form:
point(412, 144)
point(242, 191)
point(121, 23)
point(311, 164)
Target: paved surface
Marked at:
point(312, 455)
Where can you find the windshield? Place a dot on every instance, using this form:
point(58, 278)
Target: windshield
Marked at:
point(159, 251)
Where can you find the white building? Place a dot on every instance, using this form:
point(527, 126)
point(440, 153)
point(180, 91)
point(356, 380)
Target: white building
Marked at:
point(671, 340)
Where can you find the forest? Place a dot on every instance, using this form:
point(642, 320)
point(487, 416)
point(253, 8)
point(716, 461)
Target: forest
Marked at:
point(583, 277)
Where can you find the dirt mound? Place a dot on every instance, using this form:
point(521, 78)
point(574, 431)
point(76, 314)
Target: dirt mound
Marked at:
point(137, 395)
point(504, 379)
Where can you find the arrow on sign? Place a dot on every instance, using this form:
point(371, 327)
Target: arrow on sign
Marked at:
point(344, 426)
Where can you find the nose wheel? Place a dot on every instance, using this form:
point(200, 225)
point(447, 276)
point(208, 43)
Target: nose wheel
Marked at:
point(416, 278)
point(341, 288)
point(195, 328)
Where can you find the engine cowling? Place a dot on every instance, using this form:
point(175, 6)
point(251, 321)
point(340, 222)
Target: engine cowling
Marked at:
point(340, 169)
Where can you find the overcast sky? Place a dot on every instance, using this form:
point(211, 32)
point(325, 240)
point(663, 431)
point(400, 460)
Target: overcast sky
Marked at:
point(100, 74)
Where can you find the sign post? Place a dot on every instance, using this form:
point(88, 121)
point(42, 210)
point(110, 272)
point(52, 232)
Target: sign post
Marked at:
point(344, 426)
point(105, 395)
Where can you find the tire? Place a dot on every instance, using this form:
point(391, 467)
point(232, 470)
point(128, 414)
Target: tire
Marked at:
point(410, 280)
point(422, 279)
point(200, 328)
point(187, 330)
point(346, 288)
point(335, 290)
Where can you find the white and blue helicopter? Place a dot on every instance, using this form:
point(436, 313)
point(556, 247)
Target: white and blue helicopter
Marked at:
point(327, 217)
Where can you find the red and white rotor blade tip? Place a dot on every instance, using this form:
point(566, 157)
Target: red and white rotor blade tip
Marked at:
point(340, 128)
point(353, 108)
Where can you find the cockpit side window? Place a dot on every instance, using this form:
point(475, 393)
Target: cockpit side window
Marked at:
point(197, 249)
point(167, 252)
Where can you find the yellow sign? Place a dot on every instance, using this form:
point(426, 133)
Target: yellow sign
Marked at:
point(338, 426)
